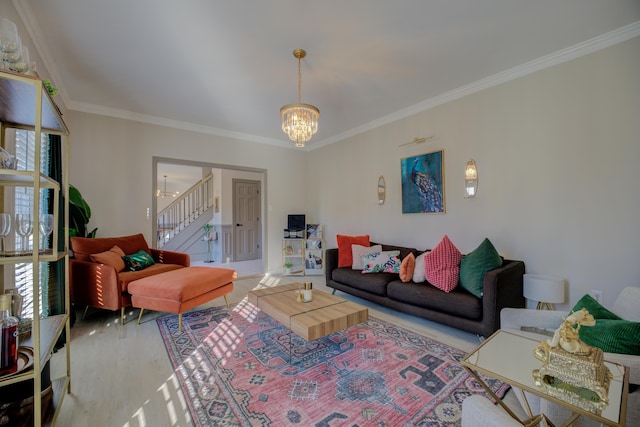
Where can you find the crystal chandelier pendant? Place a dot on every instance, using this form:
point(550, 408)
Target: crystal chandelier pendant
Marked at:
point(299, 121)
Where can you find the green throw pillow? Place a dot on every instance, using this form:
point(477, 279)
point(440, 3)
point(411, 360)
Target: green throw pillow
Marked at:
point(613, 336)
point(610, 333)
point(594, 308)
point(476, 264)
point(138, 261)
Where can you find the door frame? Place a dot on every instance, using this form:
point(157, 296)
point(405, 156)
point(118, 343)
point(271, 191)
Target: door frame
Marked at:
point(184, 162)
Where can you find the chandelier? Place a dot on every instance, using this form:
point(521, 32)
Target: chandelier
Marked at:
point(299, 121)
point(165, 193)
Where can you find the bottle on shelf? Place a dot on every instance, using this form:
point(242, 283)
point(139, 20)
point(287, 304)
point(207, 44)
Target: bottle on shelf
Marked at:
point(9, 343)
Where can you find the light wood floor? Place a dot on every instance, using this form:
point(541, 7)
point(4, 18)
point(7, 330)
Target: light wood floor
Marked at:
point(121, 375)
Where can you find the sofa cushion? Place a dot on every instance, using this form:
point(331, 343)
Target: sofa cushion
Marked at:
point(84, 247)
point(345, 255)
point(372, 283)
point(442, 265)
point(418, 271)
point(458, 302)
point(611, 333)
point(381, 262)
point(406, 268)
point(125, 277)
point(476, 264)
point(138, 261)
point(112, 257)
point(359, 251)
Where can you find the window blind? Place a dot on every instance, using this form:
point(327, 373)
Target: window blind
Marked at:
point(25, 152)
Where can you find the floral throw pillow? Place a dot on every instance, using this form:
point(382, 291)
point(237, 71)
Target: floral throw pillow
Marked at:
point(360, 251)
point(382, 262)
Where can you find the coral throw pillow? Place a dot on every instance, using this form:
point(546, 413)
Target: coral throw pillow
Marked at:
point(442, 265)
point(112, 257)
point(345, 256)
point(407, 267)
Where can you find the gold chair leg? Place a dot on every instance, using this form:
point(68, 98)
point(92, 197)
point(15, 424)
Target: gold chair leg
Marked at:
point(180, 322)
point(122, 316)
point(226, 300)
point(140, 315)
point(84, 314)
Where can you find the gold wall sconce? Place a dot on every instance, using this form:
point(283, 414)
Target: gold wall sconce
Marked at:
point(381, 190)
point(470, 180)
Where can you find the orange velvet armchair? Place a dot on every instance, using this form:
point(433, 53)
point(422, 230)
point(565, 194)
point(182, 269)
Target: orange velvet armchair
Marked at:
point(98, 278)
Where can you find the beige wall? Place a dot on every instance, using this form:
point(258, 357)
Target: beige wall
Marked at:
point(557, 154)
point(111, 164)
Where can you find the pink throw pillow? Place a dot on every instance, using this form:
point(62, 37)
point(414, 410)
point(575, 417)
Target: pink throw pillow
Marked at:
point(407, 267)
point(442, 265)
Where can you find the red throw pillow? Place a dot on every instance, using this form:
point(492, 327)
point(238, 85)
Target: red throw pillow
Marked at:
point(442, 265)
point(345, 255)
point(112, 257)
point(407, 267)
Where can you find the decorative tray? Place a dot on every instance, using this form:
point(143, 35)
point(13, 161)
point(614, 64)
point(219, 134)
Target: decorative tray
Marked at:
point(25, 360)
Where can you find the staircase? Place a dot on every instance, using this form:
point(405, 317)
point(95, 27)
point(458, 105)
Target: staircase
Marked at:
point(180, 224)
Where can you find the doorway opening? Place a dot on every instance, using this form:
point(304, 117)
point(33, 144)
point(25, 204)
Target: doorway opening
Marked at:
point(232, 240)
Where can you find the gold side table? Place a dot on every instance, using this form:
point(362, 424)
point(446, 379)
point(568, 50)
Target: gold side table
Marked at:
point(508, 357)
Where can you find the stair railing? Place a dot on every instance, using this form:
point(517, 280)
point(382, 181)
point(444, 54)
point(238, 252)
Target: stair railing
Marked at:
point(184, 210)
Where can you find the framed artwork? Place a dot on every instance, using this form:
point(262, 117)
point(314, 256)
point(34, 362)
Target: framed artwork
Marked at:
point(423, 183)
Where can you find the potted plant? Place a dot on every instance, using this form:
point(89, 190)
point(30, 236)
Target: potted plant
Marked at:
point(79, 215)
point(207, 228)
point(287, 268)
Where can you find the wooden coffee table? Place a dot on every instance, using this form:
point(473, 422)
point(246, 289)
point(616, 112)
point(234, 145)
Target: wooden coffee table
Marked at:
point(310, 320)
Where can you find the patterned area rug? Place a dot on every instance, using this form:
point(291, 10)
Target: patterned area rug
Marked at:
point(233, 367)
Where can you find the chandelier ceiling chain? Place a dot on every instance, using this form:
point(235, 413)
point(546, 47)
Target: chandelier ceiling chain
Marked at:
point(165, 193)
point(299, 121)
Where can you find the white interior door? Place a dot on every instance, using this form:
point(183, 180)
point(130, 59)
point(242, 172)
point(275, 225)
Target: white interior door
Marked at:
point(247, 220)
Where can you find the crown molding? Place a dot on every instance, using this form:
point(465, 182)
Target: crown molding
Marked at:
point(595, 44)
point(581, 49)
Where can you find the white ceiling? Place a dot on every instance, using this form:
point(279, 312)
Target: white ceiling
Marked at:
point(226, 67)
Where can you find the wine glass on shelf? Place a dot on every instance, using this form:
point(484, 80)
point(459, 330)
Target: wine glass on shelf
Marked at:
point(5, 230)
point(9, 39)
point(24, 228)
point(46, 227)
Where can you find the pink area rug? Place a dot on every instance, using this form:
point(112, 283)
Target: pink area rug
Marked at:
point(234, 369)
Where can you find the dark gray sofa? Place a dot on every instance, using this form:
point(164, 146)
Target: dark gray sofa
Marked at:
point(458, 308)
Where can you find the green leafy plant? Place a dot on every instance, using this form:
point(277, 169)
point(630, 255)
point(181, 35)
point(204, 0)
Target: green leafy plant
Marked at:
point(288, 265)
point(79, 214)
point(53, 91)
point(207, 227)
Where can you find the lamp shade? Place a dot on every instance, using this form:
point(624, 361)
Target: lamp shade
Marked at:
point(543, 288)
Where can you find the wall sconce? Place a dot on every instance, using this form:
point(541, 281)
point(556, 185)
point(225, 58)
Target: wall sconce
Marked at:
point(470, 180)
point(381, 190)
point(544, 289)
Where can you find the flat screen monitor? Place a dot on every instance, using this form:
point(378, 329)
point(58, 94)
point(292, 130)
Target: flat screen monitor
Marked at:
point(296, 222)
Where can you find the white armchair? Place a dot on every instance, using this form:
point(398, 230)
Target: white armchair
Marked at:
point(478, 411)
point(522, 321)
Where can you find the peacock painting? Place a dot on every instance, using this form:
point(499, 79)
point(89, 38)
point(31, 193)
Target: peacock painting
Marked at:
point(423, 183)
